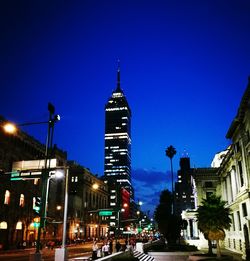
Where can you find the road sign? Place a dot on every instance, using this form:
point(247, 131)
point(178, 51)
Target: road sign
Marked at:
point(105, 213)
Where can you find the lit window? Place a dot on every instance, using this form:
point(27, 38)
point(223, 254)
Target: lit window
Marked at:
point(19, 225)
point(7, 197)
point(21, 203)
point(3, 225)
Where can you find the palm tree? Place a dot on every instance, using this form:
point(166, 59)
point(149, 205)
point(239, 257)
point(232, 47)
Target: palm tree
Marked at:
point(213, 217)
point(170, 152)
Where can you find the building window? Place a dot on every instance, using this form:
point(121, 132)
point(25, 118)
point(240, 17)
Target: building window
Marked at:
point(7, 197)
point(21, 202)
point(244, 209)
point(241, 173)
point(3, 225)
point(233, 223)
point(19, 225)
point(237, 147)
point(208, 184)
point(239, 221)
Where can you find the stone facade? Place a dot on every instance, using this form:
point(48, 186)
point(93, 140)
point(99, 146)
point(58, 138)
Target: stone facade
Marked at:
point(234, 173)
point(88, 194)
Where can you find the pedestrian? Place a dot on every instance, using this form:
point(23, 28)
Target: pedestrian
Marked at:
point(105, 249)
point(94, 250)
point(118, 246)
point(110, 246)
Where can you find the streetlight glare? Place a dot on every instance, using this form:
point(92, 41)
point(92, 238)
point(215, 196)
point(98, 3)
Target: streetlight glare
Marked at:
point(10, 127)
point(59, 174)
point(95, 186)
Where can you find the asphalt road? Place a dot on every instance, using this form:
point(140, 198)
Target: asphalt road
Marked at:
point(47, 254)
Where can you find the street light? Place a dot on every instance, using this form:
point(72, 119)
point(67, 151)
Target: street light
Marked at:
point(95, 186)
point(58, 174)
point(61, 253)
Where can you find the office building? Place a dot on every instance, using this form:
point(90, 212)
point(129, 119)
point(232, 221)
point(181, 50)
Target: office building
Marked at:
point(117, 167)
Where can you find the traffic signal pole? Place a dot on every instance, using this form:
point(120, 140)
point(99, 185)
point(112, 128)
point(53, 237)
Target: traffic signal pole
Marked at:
point(44, 180)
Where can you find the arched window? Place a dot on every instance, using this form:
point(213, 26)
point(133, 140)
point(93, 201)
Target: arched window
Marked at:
point(19, 225)
point(7, 197)
point(21, 203)
point(3, 225)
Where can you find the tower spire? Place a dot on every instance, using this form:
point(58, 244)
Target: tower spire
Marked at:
point(118, 87)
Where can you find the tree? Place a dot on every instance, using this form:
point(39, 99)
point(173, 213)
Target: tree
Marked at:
point(168, 224)
point(170, 152)
point(213, 217)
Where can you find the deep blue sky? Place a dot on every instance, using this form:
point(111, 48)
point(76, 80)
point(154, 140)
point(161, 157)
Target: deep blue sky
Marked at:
point(184, 68)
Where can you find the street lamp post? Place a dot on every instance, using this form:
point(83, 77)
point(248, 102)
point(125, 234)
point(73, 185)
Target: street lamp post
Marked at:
point(58, 175)
point(61, 254)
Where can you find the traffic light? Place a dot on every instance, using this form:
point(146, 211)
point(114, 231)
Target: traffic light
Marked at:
point(37, 205)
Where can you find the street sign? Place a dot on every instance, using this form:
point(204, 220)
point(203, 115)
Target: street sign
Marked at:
point(105, 213)
point(27, 174)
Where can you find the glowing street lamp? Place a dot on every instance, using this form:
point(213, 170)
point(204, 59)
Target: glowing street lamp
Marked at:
point(62, 253)
point(58, 175)
point(9, 128)
point(95, 186)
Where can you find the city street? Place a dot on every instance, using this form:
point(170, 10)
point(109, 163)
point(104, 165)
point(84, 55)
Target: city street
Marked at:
point(48, 254)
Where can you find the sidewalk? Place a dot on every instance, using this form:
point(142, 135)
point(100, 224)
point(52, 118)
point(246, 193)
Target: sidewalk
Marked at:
point(236, 256)
point(183, 256)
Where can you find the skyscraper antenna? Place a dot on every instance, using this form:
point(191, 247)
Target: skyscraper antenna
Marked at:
point(118, 76)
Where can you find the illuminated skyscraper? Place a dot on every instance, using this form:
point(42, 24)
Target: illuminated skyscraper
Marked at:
point(117, 168)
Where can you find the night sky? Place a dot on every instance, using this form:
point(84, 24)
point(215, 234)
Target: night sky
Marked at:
point(184, 68)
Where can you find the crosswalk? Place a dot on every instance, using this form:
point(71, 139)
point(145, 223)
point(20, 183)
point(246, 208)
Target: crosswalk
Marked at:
point(142, 256)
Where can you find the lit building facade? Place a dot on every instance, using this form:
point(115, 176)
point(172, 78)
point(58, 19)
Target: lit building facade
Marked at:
point(229, 178)
point(234, 173)
point(117, 167)
point(88, 195)
point(184, 198)
point(18, 220)
point(117, 164)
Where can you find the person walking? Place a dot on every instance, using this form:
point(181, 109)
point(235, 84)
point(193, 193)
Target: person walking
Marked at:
point(94, 250)
point(118, 246)
point(105, 249)
point(110, 246)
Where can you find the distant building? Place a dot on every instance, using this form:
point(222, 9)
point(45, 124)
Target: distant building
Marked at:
point(184, 198)
point(117, 168)
point(88, 196)
point(117, 165)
